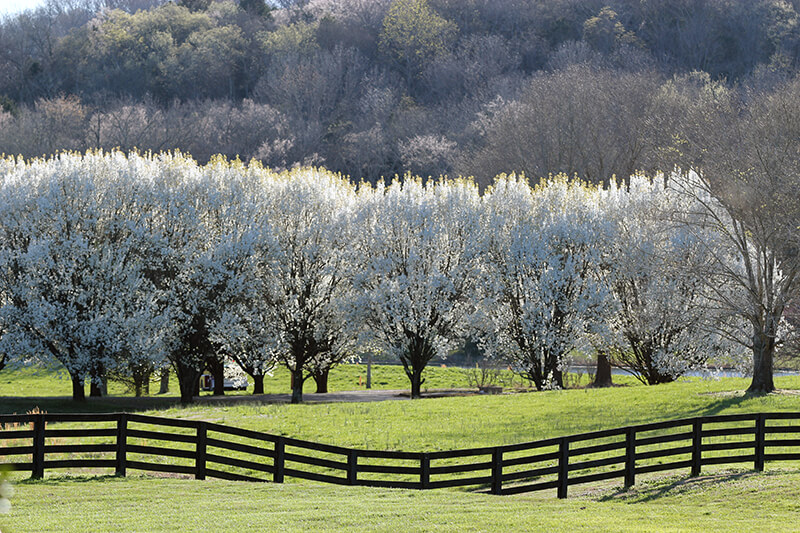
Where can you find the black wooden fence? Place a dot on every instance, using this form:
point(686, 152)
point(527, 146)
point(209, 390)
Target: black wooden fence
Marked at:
point(123, 441)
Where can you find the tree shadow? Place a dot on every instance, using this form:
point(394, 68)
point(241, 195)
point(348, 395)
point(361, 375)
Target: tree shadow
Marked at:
point(653, 491)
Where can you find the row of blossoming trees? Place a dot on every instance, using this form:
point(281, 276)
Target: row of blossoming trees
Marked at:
point(111, 261)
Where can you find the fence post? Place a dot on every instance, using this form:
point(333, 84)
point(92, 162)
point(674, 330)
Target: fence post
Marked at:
point(122, 444)
point(497, 471)
point(630, 457)
point(424, 471)
point(200, 455)
point(697, 443)
point(37, 471)
point(352, 467)
point(563, 467)
point(760, 441)
point(280, 451)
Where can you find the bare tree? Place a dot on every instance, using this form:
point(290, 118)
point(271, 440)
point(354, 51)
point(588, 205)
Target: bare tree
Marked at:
point(747, 183)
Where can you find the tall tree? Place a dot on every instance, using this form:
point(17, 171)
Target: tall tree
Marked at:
point(417, 266)
point(746, 187)
point(541, 292)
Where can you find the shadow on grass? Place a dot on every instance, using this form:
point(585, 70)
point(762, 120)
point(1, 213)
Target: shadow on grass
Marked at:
point(655, 489)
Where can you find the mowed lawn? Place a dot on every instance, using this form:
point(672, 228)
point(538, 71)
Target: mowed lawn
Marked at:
point(720, 500)
point(723, 502)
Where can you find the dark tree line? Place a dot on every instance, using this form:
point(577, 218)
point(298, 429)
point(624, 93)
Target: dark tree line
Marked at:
point(372, 88)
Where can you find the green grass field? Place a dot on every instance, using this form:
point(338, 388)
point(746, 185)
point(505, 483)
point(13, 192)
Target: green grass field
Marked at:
point(720, 500)
point(728, 501)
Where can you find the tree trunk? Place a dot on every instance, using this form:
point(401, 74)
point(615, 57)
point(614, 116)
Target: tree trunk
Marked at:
point(297, 385)
point(321, 379)
point(416, 383)
point(558, 378)
point(78, 392)
point(96, 383)
point(188, 380)
point(258, 383)
point(137, 388)
point(763, 353)
point(146, 383)
point(164, 387)
point(218, 372)
point(602, 376)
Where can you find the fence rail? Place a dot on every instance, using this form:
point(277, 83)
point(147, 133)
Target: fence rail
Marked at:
point(124, 441)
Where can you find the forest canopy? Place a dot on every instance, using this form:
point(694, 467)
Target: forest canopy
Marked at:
point(374, 88)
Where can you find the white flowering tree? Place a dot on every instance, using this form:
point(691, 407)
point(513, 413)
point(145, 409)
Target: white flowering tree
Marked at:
point(542, 295)
point(417, 267)
point(70, 265)
point(665, 322)
point(304, 276)
point(241, 327)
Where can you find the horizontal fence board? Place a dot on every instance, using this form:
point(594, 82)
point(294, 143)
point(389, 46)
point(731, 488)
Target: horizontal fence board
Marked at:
point(387, 469)
point(158, 421)
point(606, 461)
point(231, 476)
point(18, 467)
point(728, 459)
point(782, 416)
point(160, 467)
point(781, 442)
point(585, 450)
point(313, 476)
point(389, 484)
point(668, 424)
point(239, 432)
point(461, 482)
point(782, 456)
point(533, 445)
point(159, 435)
point(79, 448)
point(552, 456)
point(308, 445)
point(468, 452)
point(456, 469)
point(782, 429)
point(316, 461)
point(598, 434)
point(532, 487)
point(663, 439)
point(536, 472)
point(241, 463)
point(89, 432)
point(16, 419)
point(591, 478)
point(676, 465)
point(664, 452)
point(16, 434)
point(16, 450)
point(81, 463)
point(158, 450)
point(239, 447)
